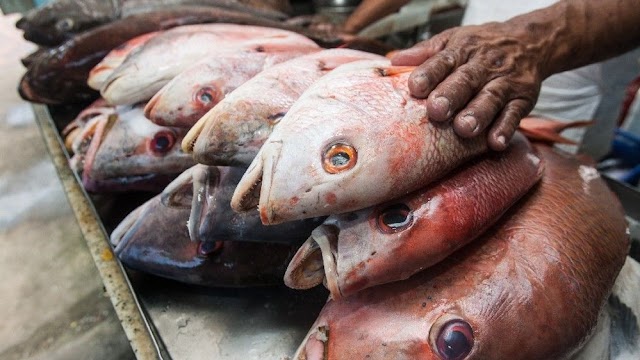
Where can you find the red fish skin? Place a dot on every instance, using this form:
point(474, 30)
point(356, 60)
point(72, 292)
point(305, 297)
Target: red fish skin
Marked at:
point(444, 218)
point(531, 288)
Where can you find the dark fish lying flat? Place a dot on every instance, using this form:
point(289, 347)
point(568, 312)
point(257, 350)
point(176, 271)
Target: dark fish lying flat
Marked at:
point(154, 239)
point(531, 288)
point(207, 191)
point(60, 75)
point(60, 20)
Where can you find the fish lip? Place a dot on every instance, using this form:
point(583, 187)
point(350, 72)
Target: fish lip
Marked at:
point(190, 139)
point(118, 238)
point(102, 127)
point(149, 112)
point(324, 239)
point(244, 198)
point(22, 23)
point(317, 338)
point(202, 178)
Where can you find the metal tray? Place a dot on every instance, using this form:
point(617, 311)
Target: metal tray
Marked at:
point(164, 319)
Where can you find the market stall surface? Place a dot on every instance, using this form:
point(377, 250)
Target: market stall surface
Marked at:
point(52, 300)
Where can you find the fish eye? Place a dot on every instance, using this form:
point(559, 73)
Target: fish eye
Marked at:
point(162, 142)
point(206, 95)
point(394, 218)
point(208, 248)
point(339, 157)
point(65, 24)
point(455, 340)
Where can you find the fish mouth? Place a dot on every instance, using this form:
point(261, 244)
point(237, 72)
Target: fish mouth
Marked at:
point(22, 23)
point(150, 109)
point(98, 133)
point(189, 140)
point(98, 76)
point(192, 190)
point(118, 236)
point(315, 345)
point(254, 189)
point(315, 262)
point(248, 192)
point(120, 88)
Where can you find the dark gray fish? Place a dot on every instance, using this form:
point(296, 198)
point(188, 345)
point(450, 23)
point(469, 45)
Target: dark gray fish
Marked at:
point(154, 239)
point(60, 20)
point(207, 191)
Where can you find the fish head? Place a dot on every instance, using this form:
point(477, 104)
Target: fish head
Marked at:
point(188, 96)
point(350, 251)
point(233, 132)
point(130, 152)
point(328, 162)
point(207, 191)
point(101, 72)
point(59, 21)
point(154, 239)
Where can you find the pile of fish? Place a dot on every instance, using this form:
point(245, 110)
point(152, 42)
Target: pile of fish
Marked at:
point(258, 140)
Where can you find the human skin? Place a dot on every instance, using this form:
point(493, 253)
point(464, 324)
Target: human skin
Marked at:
point(490, 74)
point(370, 11)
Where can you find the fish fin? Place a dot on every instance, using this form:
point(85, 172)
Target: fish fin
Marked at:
point(395, 70)
point(548, 130)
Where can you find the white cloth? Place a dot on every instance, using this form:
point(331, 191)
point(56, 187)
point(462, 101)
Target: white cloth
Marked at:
point(568, 96)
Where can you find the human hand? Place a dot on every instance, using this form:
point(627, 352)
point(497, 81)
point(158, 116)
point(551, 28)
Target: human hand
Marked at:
point(479, 76)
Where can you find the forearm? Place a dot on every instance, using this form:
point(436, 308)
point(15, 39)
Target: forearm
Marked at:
point(573, 33)
point(370, 11)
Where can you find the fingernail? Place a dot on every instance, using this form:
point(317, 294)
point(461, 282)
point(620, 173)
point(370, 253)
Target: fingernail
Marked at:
point(502, 140)
point(443, 106)
point(470, 122)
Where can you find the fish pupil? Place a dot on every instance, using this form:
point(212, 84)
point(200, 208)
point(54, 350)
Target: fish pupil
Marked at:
point(206, 98)
point(395, 219)
point(340, 159)
point(162, 143)
point(456, 344)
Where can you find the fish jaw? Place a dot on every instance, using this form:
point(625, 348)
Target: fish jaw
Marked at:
point(231, 134)
point(315, 262)
point(122, 87)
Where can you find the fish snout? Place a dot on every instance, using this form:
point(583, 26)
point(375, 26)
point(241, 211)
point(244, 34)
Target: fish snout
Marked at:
point(315, 262)
point(22, 23)
point(119, 235)
point(314, 346)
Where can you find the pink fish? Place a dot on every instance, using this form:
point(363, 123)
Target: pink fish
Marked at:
point(531, 287)
point(144, 73)
point(392, 241)
point(125, 151)
point(99, 74)
point(199, 88)
point(234, 130)
point(354, 139)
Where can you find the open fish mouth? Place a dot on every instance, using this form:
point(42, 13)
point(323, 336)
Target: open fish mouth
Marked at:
point(254, 189)
point(315, 262)
point(192, 190)
point(189, 141)
point(314, 346)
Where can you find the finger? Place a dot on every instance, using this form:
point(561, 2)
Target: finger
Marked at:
point(505, 126)
point(482, 110)
point(427, 76)
point(422, 51)
point(455, 91)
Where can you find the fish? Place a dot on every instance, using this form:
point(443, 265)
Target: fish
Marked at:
point(99, 74)
point(74, 131)
point(207, 190)
point(153, 239)
point(234, 130)
point(59, 74)
point(354, 139)
point(125, 151)
point(395, 240)
point(60, 20)
point(165, 56)
point(193, 92)
point(532, 287)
